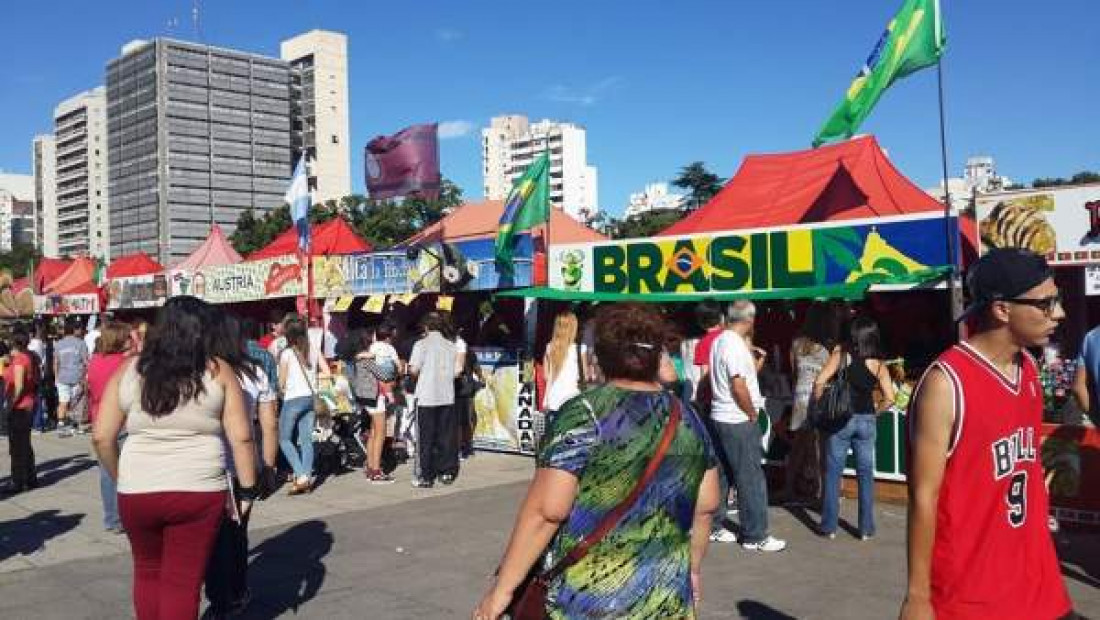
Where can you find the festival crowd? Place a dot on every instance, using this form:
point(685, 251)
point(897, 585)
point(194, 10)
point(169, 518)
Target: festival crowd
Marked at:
point(653, 445)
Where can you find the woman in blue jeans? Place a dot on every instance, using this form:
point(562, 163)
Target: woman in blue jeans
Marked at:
point(861, 357)
point(299, 368)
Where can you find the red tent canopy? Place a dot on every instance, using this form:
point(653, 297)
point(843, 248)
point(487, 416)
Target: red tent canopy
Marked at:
point(844, 181)
point(138, 264)
point(216, 250)
point(78, 279)
point(47, 270)
point(332, 237)
point(480, 221)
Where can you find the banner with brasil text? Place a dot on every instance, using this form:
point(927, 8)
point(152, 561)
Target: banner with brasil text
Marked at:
point(826, 258)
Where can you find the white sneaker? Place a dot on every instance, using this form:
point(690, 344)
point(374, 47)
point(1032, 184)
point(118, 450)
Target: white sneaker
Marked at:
point(722, 536)
point(770, 544)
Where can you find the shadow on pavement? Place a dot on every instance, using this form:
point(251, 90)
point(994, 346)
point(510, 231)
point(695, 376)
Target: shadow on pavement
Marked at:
point(287, 570)
point(29, 534)
point(755, 610)
point(1079, 552)
point(55, 470)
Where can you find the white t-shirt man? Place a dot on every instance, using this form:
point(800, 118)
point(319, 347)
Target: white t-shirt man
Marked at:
point(730, 358)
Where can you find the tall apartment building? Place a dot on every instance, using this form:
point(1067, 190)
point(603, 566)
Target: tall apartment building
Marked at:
point(16, 210)
point(319, 109)
point(80, 167)
point(510, 144)
point(44, 156)
point(196, 136)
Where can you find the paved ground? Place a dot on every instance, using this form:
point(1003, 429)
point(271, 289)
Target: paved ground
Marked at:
point(352, 550)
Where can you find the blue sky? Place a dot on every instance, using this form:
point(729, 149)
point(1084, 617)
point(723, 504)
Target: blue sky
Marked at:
point(657, 84)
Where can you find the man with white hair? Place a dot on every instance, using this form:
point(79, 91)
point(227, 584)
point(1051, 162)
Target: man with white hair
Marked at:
point(736, 404)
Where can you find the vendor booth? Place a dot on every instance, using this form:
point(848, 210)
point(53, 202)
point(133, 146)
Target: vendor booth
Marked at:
point(838, 222)
point(74, 291)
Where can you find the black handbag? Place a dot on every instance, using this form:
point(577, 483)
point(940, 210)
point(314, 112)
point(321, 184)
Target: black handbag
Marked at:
point(833, 410)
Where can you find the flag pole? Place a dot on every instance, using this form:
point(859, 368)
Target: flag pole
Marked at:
point(954, 282)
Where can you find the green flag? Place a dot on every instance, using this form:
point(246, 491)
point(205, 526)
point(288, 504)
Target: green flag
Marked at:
point(913, 40)
point(527, 206)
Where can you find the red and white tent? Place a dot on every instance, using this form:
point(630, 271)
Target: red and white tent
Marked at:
point(215, 251)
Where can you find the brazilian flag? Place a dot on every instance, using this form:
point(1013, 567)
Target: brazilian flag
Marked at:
point(913, 40)
point(527, 206)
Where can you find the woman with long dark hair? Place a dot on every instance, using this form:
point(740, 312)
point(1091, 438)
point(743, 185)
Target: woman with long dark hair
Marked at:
point(862, 356)
point(593, 457)
point(299, 369)
point(809, 353)
point(176, 400)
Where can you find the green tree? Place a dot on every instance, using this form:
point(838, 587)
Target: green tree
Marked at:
point(385, 223)
point(19, 259)
point(644, 224)
point(1085, 176)
point(700, 182)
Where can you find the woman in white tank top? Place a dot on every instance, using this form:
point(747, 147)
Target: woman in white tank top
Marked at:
point(175, 401)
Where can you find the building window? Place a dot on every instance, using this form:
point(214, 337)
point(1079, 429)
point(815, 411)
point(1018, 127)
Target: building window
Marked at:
point(335, 140)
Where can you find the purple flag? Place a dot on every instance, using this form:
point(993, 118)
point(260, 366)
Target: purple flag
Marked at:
point(404, 163)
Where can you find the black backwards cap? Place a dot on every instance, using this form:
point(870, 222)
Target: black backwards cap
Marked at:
point(1003, 273)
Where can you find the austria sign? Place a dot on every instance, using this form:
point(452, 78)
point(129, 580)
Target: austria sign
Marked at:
point(796, 257)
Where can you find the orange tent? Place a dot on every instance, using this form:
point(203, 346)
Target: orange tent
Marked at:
point(332, 237)
point(479, 220)
point(215, 251)
point(138, 264)
point(78, 279)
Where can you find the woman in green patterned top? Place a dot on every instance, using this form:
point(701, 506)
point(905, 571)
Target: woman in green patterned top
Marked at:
point(595, 451)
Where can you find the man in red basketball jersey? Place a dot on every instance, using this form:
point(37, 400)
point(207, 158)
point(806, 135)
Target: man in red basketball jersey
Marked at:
point(978, 545)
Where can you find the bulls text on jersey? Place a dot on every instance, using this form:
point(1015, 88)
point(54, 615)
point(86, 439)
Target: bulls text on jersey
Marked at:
point(1011, 450)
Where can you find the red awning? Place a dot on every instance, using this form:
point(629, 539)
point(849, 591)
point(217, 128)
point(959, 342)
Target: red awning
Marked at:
point(215, 251)
point(480, 221)
point(78, 279)
point(333, 237)
point(138, 264)
point(844, 181)
point(47, 270)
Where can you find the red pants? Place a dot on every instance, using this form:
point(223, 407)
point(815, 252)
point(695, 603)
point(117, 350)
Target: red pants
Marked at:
point(171, 537)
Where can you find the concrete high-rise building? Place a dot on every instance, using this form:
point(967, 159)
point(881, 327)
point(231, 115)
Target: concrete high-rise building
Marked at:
point(197, 135)
point(655, 197)
point(16, 210)
point(80, 164)
point(510, 144)
point(45, 195)
point(319, 109)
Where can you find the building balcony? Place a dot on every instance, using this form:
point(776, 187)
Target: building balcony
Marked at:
point(71, 161)
point(75, 122)
point(74, 143)
point(66, 218)
point(72, 195)
point(72, 175)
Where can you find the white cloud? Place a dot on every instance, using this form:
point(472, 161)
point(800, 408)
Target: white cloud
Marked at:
point(448, 35)
point(584, 96)
point(454, 129)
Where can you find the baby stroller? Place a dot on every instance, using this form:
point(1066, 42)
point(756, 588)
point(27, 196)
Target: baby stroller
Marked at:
point(337, 444)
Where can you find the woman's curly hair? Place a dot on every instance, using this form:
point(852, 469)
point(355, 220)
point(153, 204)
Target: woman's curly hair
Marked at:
point(630, 338)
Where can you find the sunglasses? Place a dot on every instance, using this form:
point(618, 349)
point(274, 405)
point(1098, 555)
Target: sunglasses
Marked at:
point(1046, 305)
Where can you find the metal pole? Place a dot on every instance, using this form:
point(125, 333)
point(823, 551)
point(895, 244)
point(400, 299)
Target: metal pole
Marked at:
point(954, 282)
